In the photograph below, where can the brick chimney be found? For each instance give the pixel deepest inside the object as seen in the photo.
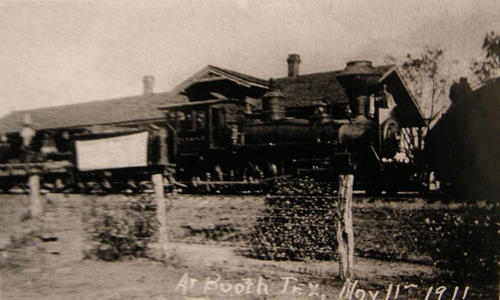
(293, 61)
(149, 83)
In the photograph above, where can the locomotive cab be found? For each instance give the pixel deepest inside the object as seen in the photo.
(200, 134)
(204, 125)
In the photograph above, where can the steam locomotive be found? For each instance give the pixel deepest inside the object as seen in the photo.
(223, 142)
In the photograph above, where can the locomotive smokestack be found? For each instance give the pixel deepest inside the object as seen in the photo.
(359, 66)
(293, 65)
(149, 83)
(359, 79)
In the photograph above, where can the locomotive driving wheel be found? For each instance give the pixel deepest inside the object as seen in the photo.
(391, 135)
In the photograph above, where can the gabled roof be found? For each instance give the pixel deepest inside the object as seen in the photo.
(213, 73)
(308, 88)
(114, 111)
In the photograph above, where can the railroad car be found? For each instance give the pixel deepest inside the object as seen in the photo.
(92, 163)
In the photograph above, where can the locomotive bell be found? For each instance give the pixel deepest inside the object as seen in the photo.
(359, 79)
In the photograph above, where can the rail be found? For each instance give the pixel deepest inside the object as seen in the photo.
(24, 169)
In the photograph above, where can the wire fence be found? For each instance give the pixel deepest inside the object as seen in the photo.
(300, 227)
(277, 227)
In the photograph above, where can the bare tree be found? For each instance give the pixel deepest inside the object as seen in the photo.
(489, 66)
(426, 79)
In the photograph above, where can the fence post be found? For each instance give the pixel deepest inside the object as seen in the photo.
(345, 233)
(36, 201)
(160, 211)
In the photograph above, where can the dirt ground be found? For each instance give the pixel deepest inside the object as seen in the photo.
(52, 266)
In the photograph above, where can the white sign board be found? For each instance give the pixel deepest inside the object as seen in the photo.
(113, 152)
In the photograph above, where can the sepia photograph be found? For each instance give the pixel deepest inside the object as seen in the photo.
(250, 149)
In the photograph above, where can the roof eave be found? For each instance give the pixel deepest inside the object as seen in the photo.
(422, 121)
(197, 103)
(209, 68)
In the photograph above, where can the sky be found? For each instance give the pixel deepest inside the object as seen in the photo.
(56, 52)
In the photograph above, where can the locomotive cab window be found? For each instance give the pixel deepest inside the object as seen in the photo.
(187, 124)
(171, 117)
(200, 120)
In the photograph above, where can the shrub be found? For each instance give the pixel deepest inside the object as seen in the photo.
(464, 243)
(302, 187)
(294, 225)
(123, 231)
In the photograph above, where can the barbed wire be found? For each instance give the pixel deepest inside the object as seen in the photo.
(250, 246)
(258, 209)
(388, 232)
(297, 224)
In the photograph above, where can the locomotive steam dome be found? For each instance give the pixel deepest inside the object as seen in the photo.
(359, 79)
(271, 103)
